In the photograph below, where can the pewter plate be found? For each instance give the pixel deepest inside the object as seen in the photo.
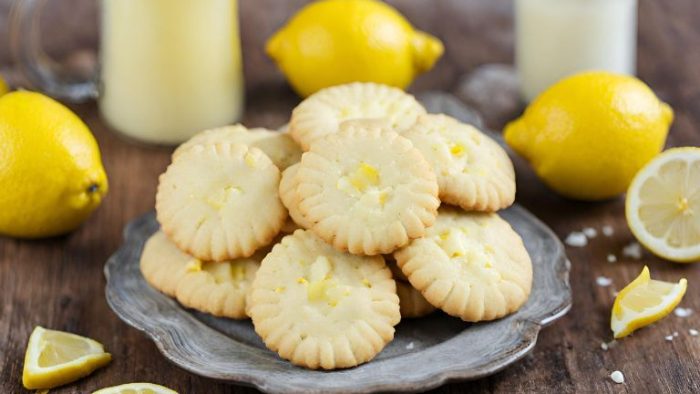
(424, 354)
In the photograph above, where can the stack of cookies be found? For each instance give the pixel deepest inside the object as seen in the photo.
(328, 234)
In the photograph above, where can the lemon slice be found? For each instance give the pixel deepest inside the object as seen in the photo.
(136, 388)
(55, 358)
(643, 302)
(663, 205)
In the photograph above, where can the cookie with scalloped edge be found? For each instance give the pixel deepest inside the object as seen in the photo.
(217, 288)
(321, 308)
(413, 304)
(278, 146)
(290, 198)
(473, 171)
(366, 190)
(158, 257)
(322, 113)
(209, 201)
(471, 265)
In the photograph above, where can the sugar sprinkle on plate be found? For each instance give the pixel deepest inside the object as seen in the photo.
(608, 345)
(617, 377)
(603, 281)
(577, 239)
(682, 312)
(608, 230)
(410, 346)
(612, 258)
(633, 250)
(590, 232)
(668, 338)
(693, 332)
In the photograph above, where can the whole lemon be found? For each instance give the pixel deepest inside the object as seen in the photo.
(332, 42)
(588, 134)
(51, 174)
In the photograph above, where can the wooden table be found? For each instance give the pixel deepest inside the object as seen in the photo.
(58, 283)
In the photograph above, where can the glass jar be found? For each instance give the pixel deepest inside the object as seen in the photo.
(557, 38)
(168, 68)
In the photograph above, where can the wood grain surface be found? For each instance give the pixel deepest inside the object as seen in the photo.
(58, 283)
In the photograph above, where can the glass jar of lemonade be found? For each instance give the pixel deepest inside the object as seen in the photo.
(557, 38)
(168, 68)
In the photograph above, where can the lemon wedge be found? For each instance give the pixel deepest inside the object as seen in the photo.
(663, 205)
(55, 358)
(136, 388)
(643, 302)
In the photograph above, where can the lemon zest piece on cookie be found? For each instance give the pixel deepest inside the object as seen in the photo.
(194, 266)
(363, 177)
(457, 149)
(319, 290)
(219, 199)
(383, 197)
(250, 160)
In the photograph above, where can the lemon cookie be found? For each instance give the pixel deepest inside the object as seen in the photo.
(290, 198)
(411, 301)
(278, 146)
(218, 288)
(323, 112)
(158, 258)
(473, 171)
(366, 190)
(321, 308)
(470, 265)
(219, 201)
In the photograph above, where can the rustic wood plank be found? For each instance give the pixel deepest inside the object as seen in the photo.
(58, 283)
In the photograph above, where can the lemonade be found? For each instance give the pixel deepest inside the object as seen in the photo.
(557, 38)
(170, 68)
